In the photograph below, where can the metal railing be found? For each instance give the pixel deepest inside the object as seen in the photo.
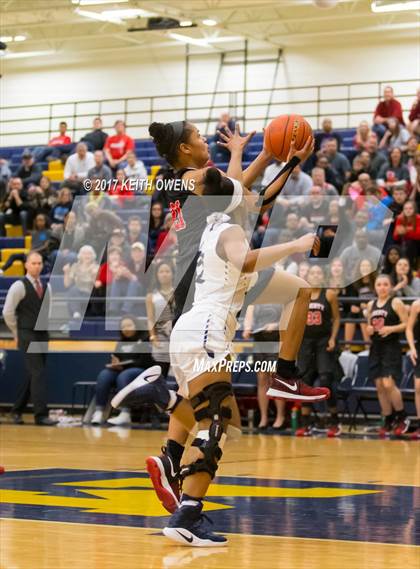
(345, 103)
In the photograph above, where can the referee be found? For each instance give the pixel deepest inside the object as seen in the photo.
(21, 310)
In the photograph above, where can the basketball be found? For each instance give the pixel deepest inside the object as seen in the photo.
(282, 130)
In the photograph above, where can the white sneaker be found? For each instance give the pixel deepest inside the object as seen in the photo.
(124, 418)
(97, 418)
(147, 376)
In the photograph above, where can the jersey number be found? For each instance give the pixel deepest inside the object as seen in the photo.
(314, 318)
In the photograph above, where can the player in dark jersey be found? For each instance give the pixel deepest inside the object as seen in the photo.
(387, 318)
(317, 352)
(187, 152)
(413, 338)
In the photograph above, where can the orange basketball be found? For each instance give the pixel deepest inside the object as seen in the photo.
(282, 130)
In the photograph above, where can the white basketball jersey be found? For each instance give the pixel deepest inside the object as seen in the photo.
(219, 284)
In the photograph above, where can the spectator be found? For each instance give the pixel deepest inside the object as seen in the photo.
(135, 233)
(136, 170)
(5, 175)
(271, 172)
(70, 236)
(338, 162)
(318, 179)
(166, 242)
(97, 196)
(394, 173)
(99, 226)
(155, 226)
(395, 137)
(262, 322)
(359, 249)
(100, 170)
(136, 264)
(316, 211)
(330, 174)
(404, 282)
(48, 190)
(326, 134)
(118, 240)
(410, 152)
(414, 171)
(27, 304)
(14, 207)
(36, 202)
(127, 362)
(392, 254)
(292, 226)
(125, 288)
(299, 184)
(160, 308)
(79, 279)
(361, 138)
(357, 190)
(363, 287)
(357, 168)
(29, 172)
(387, 108)
(220, 153)
(77, 167)
(407, 231)
(95, 140)
(377, 159)
(62, 207)
(414, 116)
(57, 146)
(117, 146)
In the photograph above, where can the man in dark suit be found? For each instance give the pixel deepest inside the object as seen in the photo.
(21, 312)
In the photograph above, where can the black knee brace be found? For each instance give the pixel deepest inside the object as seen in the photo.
(214, 394)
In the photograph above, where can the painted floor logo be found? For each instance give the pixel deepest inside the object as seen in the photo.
(239, 505)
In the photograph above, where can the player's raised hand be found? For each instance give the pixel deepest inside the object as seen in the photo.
(234, 141)
(305, 152)
(307, 243)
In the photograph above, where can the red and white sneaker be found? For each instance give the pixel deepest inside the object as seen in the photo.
(334, 431)
(295, 389)
(304, 432)
(415, 436)
(384, 431)
(401, 427)
(165, 480)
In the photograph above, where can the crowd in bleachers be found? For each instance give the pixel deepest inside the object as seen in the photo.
(337, 185)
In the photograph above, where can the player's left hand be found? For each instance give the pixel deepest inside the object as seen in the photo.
(331, 345)
(234, 141)
(304, 153)
(385, 331)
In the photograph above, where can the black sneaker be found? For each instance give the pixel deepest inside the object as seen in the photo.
(164, 475)
(188, 526)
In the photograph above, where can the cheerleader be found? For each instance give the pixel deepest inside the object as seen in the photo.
(316, 356)
(387, 318)
(413, 338)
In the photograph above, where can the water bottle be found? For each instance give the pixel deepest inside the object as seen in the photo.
(295, 418)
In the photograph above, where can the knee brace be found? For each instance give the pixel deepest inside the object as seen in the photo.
(210, 441)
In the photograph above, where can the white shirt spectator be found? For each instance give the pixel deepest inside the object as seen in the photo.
(78, 167)
(138, 171)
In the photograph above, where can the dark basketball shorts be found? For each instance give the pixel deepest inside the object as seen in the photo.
(314, 360)
(385, 360)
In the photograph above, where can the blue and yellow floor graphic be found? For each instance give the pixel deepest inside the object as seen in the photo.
(241, 505)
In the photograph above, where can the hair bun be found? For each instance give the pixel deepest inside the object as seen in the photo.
(213, 179)
(157, 131)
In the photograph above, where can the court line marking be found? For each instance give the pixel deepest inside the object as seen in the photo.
(159, 530)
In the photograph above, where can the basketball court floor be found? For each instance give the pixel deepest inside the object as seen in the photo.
(79, 498)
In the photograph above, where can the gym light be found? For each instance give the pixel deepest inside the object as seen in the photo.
(209, 22)
(185, 23)
(381, 7)
(19, 38)
(187, 39)
(6, 39)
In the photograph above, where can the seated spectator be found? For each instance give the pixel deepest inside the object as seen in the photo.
(325, 134)
(79, 279)
(318, 179)
(13, 208)
(359, 249)
(95, 140)
(29, 172)
(385, 109)
(414, 116)
(410, 152)
(394, 172)
(155, 226)
(357, 190)
(299, 184)
(5, 175)
(395, 137)
(127, 362)
(337, 215)
(292, 226)
(315, 212)
(356, 169)
(271, 172)
(124, 286)
(303, 270)
(338, 162)
(136, 264)
(117, 146)
(135, 170)
(220, 153)
(100, 170)
(407, 231)
(135, 231)
(414, 171)
(330, 174)
(37, 202)
(361, 138)
(377, 158)
(363, 287)
(99, 226)
(48, 190)
(392, 254)
(57, 147)
(77, 167)
(160, 308)
(402, 279)
(118, 240)
(167, 241)
(62, 207)
(70, 235)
